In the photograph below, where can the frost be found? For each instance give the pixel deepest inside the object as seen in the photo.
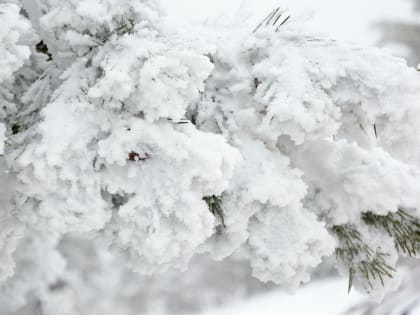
(121, 132)
(323, 107)
(151, 77)
(12, 51)
(350, 180)
(286, 243)
(2, 138)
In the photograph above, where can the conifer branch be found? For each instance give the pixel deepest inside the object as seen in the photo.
(371, 264)
(42, 48)
(401, 226)
(361, 259)
(215, 206)
(274, 19)
(122, 27)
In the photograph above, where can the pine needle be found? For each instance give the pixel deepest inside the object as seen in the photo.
(215, 206)
(273, 19)
(362, 260)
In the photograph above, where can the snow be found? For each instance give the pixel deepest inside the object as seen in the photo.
(2, 137)
(326, 297)
(351, 21)
(13, 53)
(130, 127)
(318, 113)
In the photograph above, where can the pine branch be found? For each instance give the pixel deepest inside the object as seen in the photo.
(362, 260)
(15, 128)
(371, 264)
(122, 27)
(274, 19)
(42, 48)
(215, 206)
(401, 226)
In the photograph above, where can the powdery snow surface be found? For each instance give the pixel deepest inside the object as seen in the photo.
(323, 297)
(157, 148)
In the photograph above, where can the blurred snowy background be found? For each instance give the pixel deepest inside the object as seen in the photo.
(226, 288)
(390, 24)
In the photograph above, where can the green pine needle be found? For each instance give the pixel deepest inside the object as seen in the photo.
(401, 226)
(274, 19)
(122, 26)
(215, 206)
(362, 260)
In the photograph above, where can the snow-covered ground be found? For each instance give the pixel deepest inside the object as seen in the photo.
(326, 297)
